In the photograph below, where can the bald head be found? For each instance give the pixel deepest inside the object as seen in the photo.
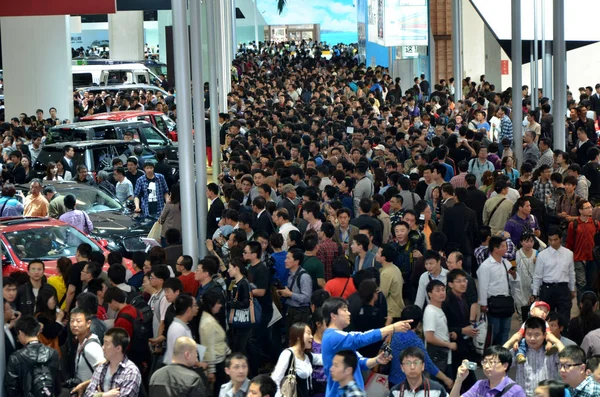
(184, 351)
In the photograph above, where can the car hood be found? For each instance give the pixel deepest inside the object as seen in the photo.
(115, 225)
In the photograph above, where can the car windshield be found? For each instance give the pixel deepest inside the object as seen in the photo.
(47, 243)
(94, 200)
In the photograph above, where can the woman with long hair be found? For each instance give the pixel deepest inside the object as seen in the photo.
(170, 218)
(319, 378)
(61, 172)
(60, 280)
(214, 337)
(52, 172)
(301, 340)
(563, 162)
(239, 299)
(509, 170)
(53, 331)
(436, 203)
(29, 171)
(295, 240)
(487, 183)
(587, 320)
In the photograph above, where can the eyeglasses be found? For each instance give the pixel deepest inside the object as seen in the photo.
(150, 277)
(491, 363)
(412, 364)
(567, 366)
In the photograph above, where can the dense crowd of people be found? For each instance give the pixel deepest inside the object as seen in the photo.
(363, 240)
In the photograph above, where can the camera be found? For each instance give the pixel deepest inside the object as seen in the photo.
(278, 284)
(386, 349)
(471, 366)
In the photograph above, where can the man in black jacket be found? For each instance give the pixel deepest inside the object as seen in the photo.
(27, 293)
(33, 367)
(475, 197)
(263, 218)
(364, 208)
(215, 211)
(460, 225)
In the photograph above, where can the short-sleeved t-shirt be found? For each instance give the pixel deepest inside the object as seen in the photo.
(75, 279)
(315, 268)
(435, 320)
(259, 276)
(94, 354)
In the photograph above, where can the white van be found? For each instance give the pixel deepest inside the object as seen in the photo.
(125, 73)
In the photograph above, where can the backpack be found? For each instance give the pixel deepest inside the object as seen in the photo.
(142, 328)
(42, 384)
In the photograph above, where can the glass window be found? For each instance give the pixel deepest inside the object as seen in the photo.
(93, 200)
(153, 137)
(103, 156)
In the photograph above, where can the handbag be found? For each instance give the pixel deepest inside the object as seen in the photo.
(244, 318)
(288, 383)
(377, 385)
(156, 231)
(484, 338)
(501, 305)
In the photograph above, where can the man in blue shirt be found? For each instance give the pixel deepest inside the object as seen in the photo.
(337, 318)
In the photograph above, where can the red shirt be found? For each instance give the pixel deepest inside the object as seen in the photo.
(126, 324)
(582, 244)
(190, 285)
(335, 287)
(101, 314)
(327, 252)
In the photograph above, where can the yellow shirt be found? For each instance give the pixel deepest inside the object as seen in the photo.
(36, 206)
(61, 289)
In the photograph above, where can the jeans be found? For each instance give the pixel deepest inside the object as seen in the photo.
(591, 273)
(500, 329)
(580, 279)
(260, 347)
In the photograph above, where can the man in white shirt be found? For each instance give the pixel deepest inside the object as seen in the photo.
(435, 271)
(495, 276)
(435, 326)
(554, 277)
(89, 350)
(281, 219)
(124, 188)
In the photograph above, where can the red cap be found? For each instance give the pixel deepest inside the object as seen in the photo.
(540, 304)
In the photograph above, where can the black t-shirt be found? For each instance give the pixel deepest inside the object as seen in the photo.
(259, 276)
(133, 177)
(75, 279)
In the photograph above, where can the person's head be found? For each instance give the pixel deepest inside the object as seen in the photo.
(523, 206)
(455, 260)
(252, 251)
(116, 341)
(496, 362)
(436, 291)
(185, 307)
(207, 268)
(556, 322)
(572, 365)
(184, 263)
(401, 230)
(412, 360)
(88, 301)
(593, 367)
(35, 269)
(46, 301)
(335, 311)
(457, 281)
(294, 259)
(497, 246)
(554, 237)
(236, 367)
(173, 287)
(317, 298)
(387, 253)
(27, 328)
(300, 334)
(550, 388)
(535, 332)
(360, 244)
(9, 289)
(344, 364)
(185, 351)
(84, 250)
(115, 298)
(539, 309)
(149, 169)
(432, 262)
(158, 275)
(80, 322)
(262, 386)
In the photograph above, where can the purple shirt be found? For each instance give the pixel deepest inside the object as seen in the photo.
(516, 226)
(482, 389)
(78, 219)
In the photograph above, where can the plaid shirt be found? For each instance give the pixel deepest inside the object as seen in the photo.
(482, 252)
(351, 390)
(127, 379)
(544, 191)
(459, 180)
(506, 129)
(327, 252)
(141, 192)
(588, 388)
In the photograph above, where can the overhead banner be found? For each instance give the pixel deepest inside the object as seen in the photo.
(29, 8)
(394, 23)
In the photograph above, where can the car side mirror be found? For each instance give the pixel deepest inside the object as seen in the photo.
(6, 260)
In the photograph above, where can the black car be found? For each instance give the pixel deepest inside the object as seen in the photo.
(143, 133)
(112, 221)
(95, 155)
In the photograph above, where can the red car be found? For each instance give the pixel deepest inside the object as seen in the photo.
(158, 119)
(27, 238)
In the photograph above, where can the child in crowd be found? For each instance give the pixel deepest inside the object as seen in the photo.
(538, 309)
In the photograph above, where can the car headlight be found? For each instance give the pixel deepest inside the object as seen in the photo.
(112, 245)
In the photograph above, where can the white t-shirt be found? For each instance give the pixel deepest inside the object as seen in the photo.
(435, 320)
(158, 303)
(94, 354)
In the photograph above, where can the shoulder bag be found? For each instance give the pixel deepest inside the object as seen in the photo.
(244, 318)
(288, 383)
(494, 211)
(501, 305)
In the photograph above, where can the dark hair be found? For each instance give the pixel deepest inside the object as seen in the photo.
(255, 248)
(574, 353)
(535, 323)
(495, 242)
(89, 302)
(592, 362)
(41, 306)
(503, 354)
(331, 306)
(210, 299)
(363, 241)
(367, 290)
(453, 274)
(296, 333)
(588, 320)
(84, 249)
(187, 262)
(412, 351)
(161, 272)
(266, 385)
(209, 265)
(432, 284)
(182, 303)
(70, 201)
(173, 284)
(349, 358)
(558, 317)
(318, 297)
(117, 273)
(234, 356)
(78, 310)
(341, 267)
(28, 325)
(119, 338)
(412, 312)
(114, 294)
(555, 387)
(389, 252)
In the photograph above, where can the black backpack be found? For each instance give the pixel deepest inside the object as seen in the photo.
(142, 328)
(42, 384)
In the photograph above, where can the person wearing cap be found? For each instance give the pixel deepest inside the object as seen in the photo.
(56, 201)
(151, 192)
(288, 200)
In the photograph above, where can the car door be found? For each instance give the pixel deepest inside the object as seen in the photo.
(152, 137)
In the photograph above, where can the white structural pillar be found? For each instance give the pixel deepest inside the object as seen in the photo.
(39, 78)
(560, 74)
(181, 51)
(517, 80)
(199, 121)
(213, 51)
(126, 35)
(233, 29)
(165, 18)
(457, 60)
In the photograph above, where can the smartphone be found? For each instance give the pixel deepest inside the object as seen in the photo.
(350, 130)
(421, 217)
(387, 349)
(471, 366)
